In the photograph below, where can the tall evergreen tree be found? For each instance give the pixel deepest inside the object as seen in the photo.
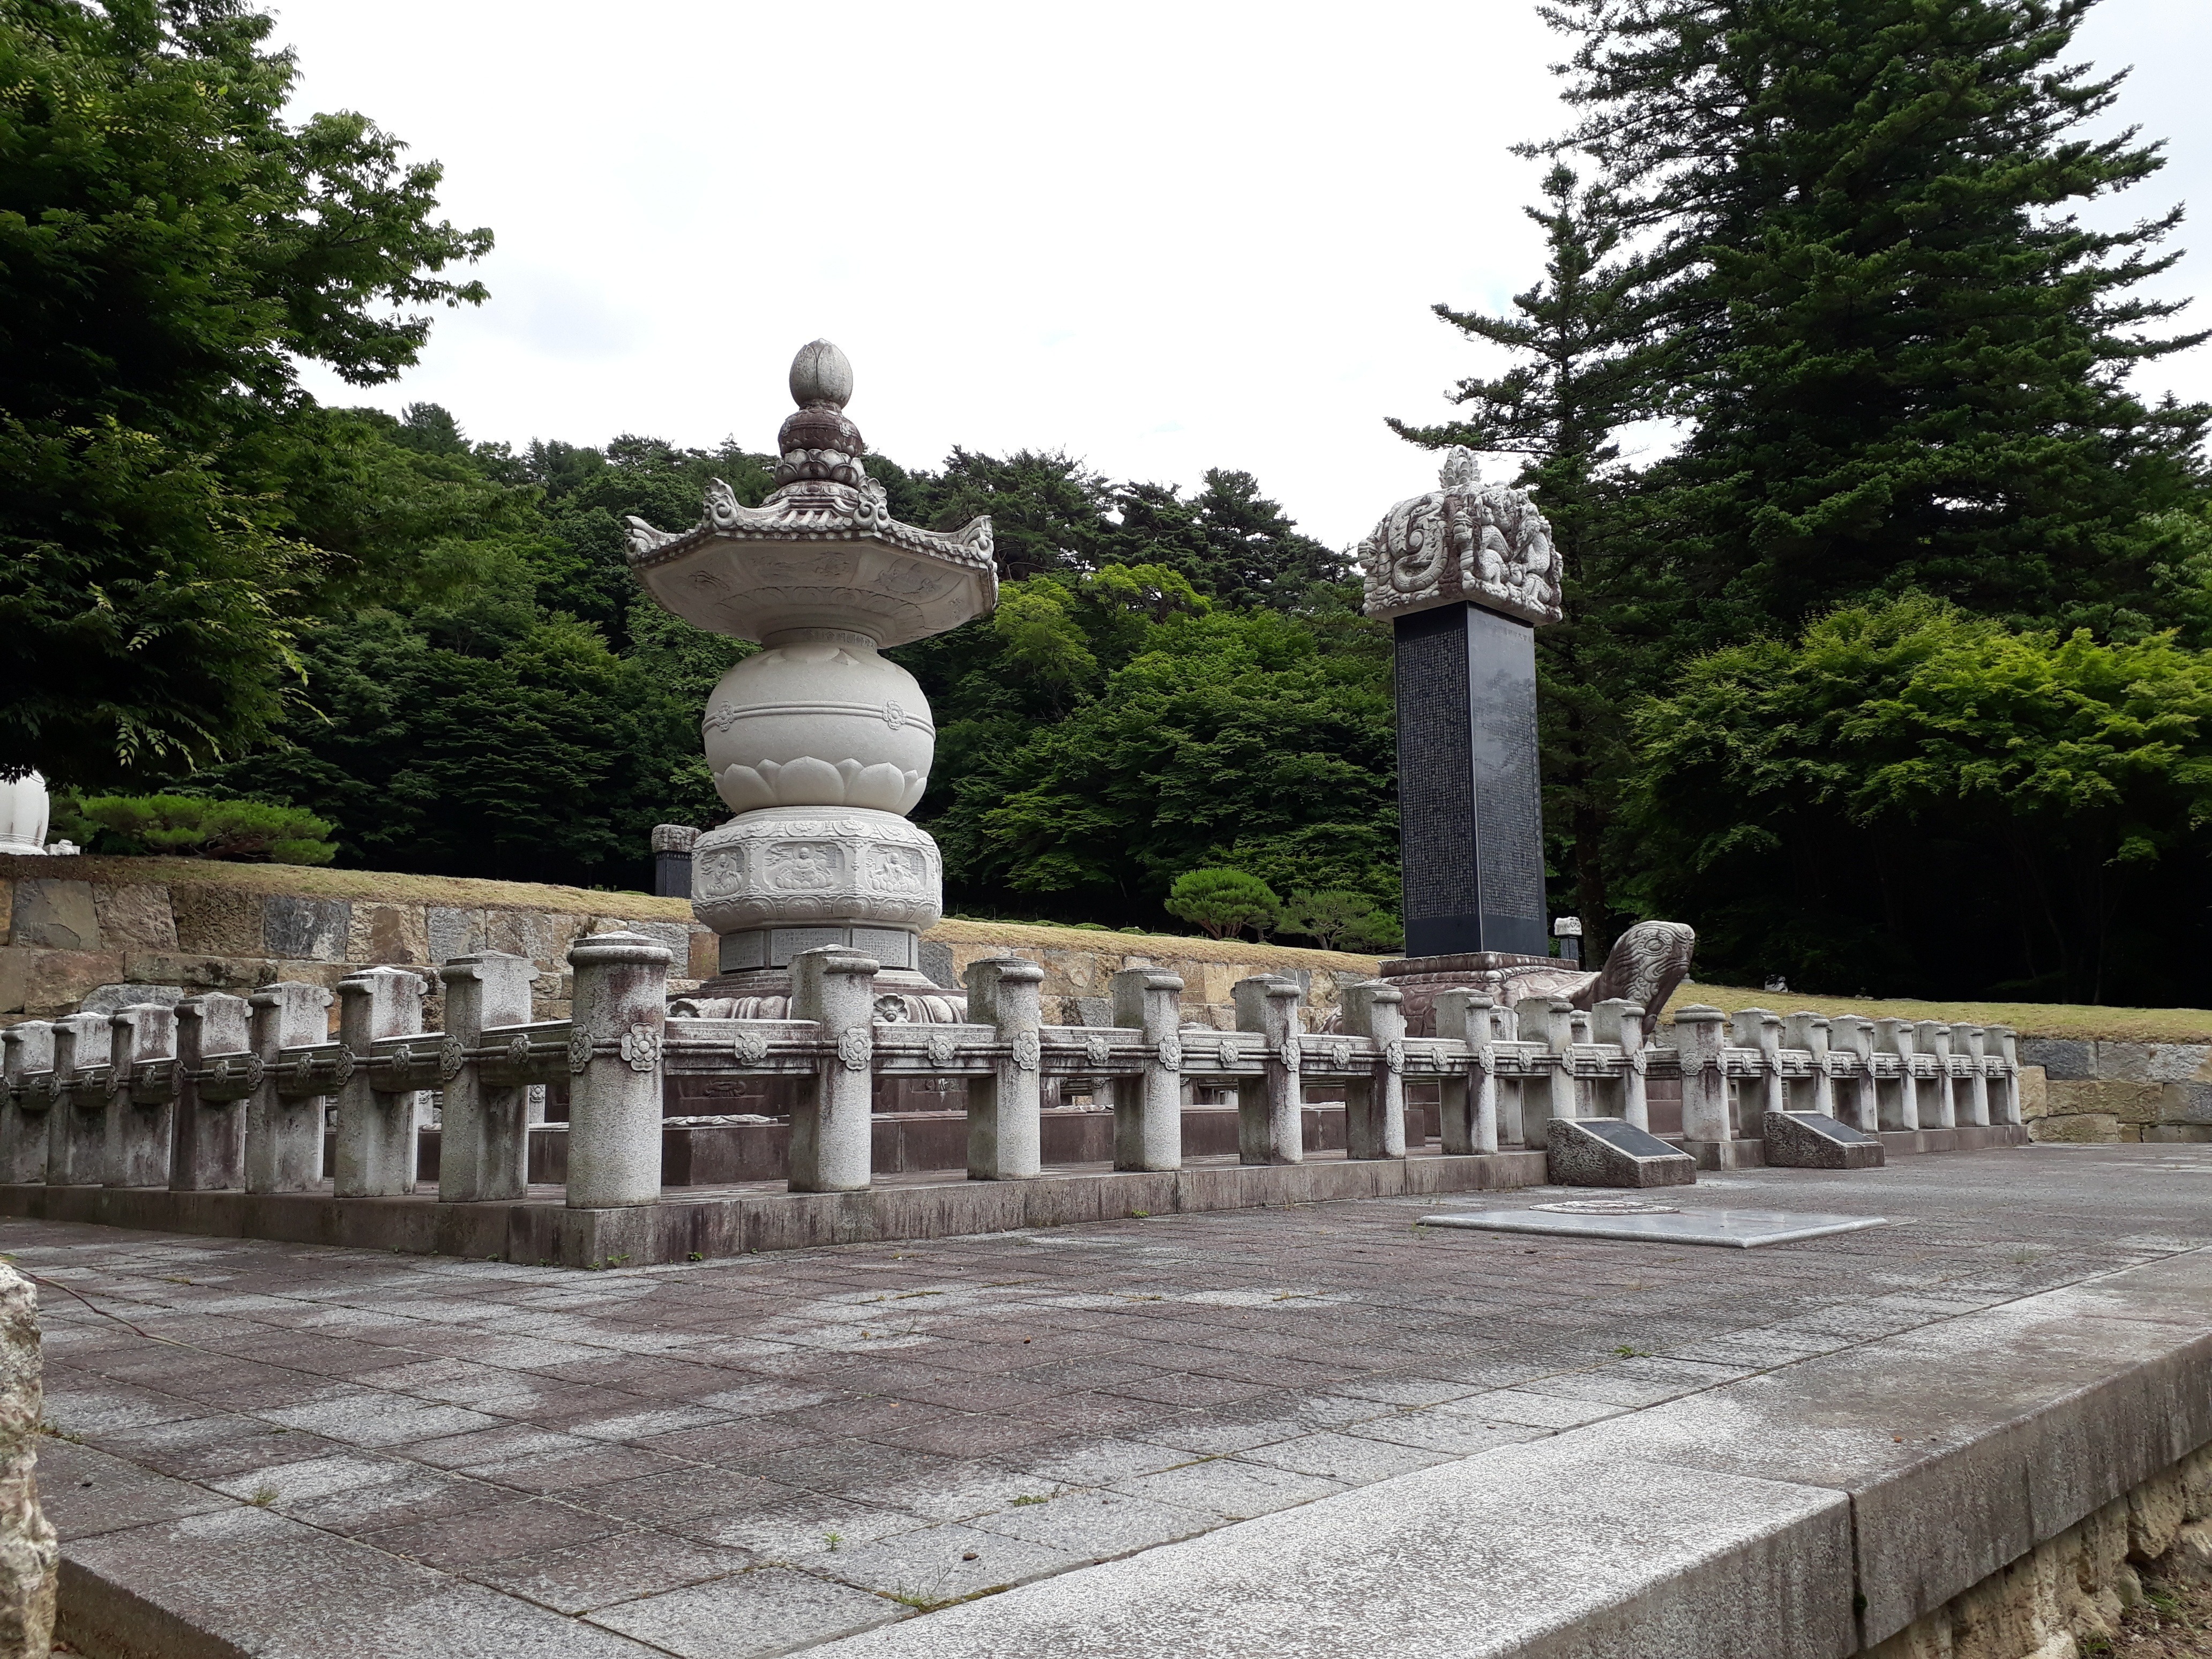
(1588, 362)
(1905, 356)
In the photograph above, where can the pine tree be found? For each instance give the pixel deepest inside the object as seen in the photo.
(1590, 361)
(1905, 356)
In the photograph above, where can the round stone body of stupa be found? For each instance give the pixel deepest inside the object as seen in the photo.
(818, 718)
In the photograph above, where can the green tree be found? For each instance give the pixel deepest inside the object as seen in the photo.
(170, 248)
(1334, 915)
(1914, 801)
(1905, 356)
(1588, 360)
(1224, 902)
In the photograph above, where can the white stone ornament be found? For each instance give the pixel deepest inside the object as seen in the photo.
(793, 866)
(1340, 1054)
(1292, 1057)
(24, 811)
(1394, 1055)
(854, 1047)
(751, 1048)
(641, 1047)
(451, 1058)
(1225, 1052)
(1027, 1052)
(942, 1050)
(1169, 1053)
(1096, 1051)
(579, 1049)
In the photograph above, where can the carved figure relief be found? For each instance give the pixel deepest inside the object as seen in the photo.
(895, 869)
(802, 867)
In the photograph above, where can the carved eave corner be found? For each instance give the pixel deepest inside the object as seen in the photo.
(1485, 545)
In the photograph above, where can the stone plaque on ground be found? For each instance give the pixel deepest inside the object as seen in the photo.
(1734, 1229)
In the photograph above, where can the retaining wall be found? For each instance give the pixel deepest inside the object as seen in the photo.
(2110, 1091)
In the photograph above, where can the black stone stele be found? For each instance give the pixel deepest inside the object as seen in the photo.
(1471, 817)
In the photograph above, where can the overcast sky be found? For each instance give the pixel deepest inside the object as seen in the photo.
(1162, 236)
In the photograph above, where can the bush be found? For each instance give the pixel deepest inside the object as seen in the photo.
(1327, 916)
(187, 826)
(1224, 902)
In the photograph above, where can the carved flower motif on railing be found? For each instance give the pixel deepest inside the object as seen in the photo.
(450, 1059)
(1169, 1053)
(403, 1059)
(579, 1049)
(1029, 1053)
(855, 1049)
(641, 1047)
(1096, 1051)
(751, 1048)
(342, 1065)
(517, 1050)
(1340, 1056)
(1292, 1055)
(1224, 1053)
(1394, 1055)
(942, 1050)
(256, 1068)
(303, 1072)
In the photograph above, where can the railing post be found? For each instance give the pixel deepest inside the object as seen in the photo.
(374, 1154)
(1468, 1122)
(1811, 1032)
(1271, 1108)
(2006, 1107)
(284, 1138)
(1548, 1021)
(1148, 1109)
(1006, 1136)
(1932, 1037)
(1760, 1028)
(619, 1016)
(77, 1144)
(28, 1047)
(1898, 1101)
(483, 1135)
(832, 1149)
(1852, 1037)
(210, 1153)
(141, 1122)
(1374, 1105)
(1976, 1111)
(1699, 1035)
(1617, 1020)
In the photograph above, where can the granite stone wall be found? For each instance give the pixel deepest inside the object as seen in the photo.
(69, 926)
(2104, 1091)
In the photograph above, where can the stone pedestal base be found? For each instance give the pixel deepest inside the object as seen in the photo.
(765, 993)
(1505, 976)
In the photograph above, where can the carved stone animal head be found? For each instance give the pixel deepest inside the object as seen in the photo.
(1645, 965)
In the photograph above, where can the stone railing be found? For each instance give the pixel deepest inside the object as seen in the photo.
(224, 1092)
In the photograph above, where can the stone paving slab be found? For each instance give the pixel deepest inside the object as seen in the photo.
(734, 1458)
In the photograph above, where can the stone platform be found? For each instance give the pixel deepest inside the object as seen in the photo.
(1309, 1430)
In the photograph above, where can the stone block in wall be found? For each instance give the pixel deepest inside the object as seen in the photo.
(454, 932)
(45, 983)
(237, 975)
(387, 934)
(543, 936)
(7, 911)
(112, 999)
(2192, 1134)
(2083, 1128)
(306, 929)
(706, 951)
(2059, 1057)
(216, 921)
(2184, 1103)
(134, 916)
(1086, 1011)
(937, 967)
(55, 915)
(2034, 1093)
(2153, 1063)
(2129, 1102)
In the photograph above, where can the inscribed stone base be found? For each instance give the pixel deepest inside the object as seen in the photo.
(1813, 1140)
(1605, 1152)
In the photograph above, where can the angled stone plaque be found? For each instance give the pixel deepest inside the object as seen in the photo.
(1604, 1151)
(1813, 1140)
(1740, 1230)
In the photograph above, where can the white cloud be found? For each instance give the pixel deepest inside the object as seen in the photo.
(1167, 235)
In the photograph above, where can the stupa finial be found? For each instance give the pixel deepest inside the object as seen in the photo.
(821, 376)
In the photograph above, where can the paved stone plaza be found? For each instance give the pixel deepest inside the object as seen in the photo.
(743, 1458)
